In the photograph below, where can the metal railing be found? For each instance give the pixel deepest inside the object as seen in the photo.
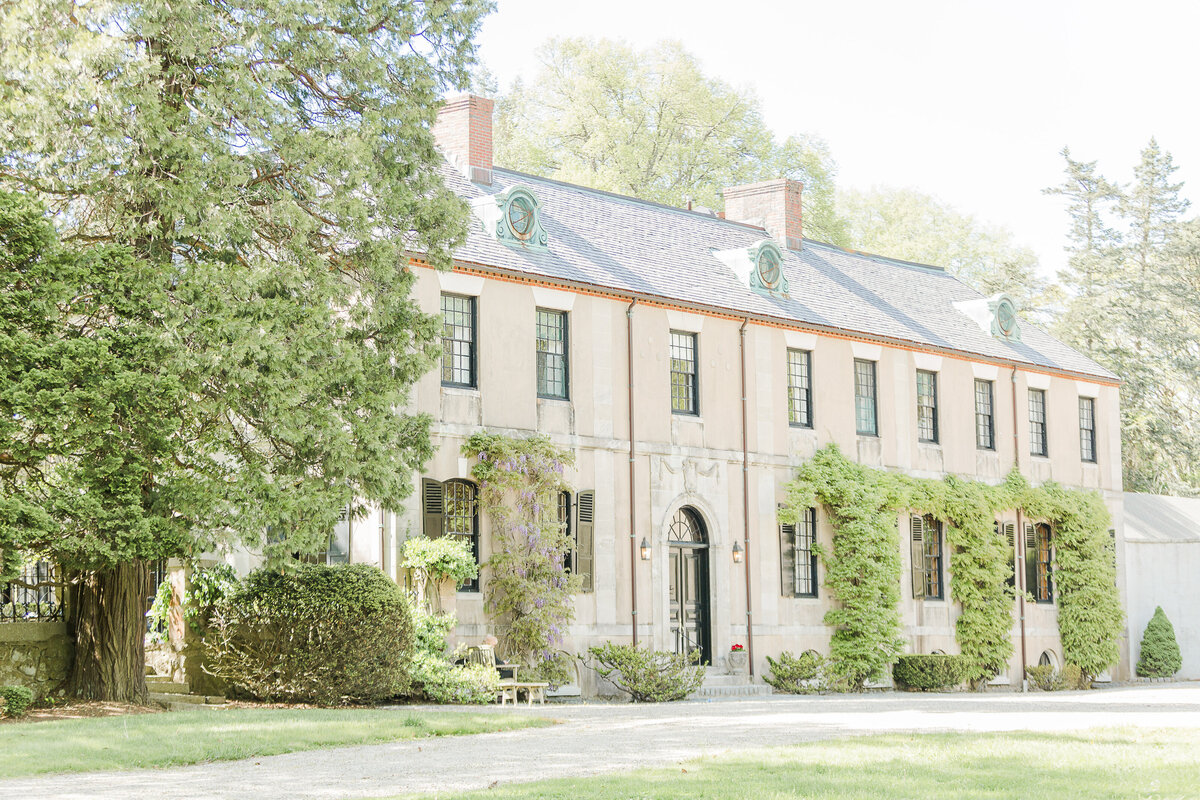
(32, 596)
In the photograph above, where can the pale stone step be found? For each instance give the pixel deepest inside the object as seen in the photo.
(743, 690)
(173, 697)
(166, 686)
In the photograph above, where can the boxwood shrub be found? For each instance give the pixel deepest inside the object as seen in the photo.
(15, 700)
(933, 671)
(318, 634)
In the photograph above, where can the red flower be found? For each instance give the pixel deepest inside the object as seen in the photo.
(737, 648)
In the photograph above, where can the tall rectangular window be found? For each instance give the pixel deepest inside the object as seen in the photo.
(864, 398)
(927, 420)
(1087, 429)
(1041, 556)
(800, 388)
(685, 381)
(927, 558)
(1037, 422)
(985, 420)
(458, 341)
(798, 558)
(552, 354)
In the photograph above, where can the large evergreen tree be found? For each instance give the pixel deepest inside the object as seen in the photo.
(257, 173)
(651, 124)
(1132, 280)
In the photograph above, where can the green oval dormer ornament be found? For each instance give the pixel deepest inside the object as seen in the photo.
(520, 218)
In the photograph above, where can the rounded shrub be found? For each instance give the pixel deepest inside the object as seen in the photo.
(650, 676)
(15, 700)
(319, 634)
(932, 671)
(1160, 657)
(796, 674)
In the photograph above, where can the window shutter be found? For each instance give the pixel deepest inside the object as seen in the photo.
(585, 539)
(917, 526)
(1030, 560)
(787, 560)
(433, 506)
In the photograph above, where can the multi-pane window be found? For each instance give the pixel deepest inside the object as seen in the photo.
(864, 398)
(452, 509)
(927, 421)
(1037, 422)
(1043, 588)
(798, 558)
(563, 519)
(800, 388)
(458, 340)
(985, 416)
(685, 384)
(552, 354)
(927, 557)
(1087, 429)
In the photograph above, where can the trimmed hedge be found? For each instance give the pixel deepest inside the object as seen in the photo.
(934, 671)
(320, 634)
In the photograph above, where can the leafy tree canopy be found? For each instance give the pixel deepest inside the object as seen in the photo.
(910, 225)
(233, 356)
(650, 123)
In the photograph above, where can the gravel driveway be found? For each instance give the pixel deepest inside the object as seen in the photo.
(595, 738)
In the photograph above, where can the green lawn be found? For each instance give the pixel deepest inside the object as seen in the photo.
(191, 737)
(1093, 765)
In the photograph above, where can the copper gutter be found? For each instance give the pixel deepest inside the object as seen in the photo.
(633, 547)
(746, 502)
(1019, 538)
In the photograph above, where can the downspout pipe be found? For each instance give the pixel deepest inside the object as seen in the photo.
(1019, 538)
(746, 501)
(633, 546)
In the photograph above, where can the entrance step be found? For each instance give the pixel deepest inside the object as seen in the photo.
(722, 684)
(166, 686)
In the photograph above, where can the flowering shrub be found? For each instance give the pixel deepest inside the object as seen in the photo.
(434, 677)
(529, 589)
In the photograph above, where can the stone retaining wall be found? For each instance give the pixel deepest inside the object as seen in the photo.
(35, 654)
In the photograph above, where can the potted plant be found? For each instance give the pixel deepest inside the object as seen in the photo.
(736, 660)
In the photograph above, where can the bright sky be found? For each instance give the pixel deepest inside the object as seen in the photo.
(968, 100)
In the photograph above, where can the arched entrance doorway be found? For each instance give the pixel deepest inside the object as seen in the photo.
(689, 584)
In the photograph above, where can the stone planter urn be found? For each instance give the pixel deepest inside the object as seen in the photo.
(736, 662)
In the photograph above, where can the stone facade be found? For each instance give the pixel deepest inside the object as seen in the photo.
(35, 654)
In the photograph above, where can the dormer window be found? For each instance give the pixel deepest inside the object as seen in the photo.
(768, 266)
(995, 315)
(1005, 323)
(759, 267)
(512, 216)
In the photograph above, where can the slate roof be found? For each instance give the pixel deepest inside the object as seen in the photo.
(1159, 518)
(633, 246)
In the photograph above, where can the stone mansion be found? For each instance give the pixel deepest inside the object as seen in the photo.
(691, 361)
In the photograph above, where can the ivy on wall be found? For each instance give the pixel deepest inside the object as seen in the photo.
(863, 568)
(529, 589)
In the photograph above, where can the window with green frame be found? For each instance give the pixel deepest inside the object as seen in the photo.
(552, 354)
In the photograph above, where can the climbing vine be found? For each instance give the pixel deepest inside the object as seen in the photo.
(529, 589)
(863, 568)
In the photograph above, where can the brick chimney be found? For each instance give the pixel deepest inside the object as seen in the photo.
(774, 205)
(464, 133)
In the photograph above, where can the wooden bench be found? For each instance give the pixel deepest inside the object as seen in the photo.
(532, 689)
(509, 685)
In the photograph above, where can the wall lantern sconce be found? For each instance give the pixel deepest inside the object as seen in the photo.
(645, 548)
(737, 553)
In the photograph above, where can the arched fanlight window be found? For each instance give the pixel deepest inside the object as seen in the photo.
(686, 527)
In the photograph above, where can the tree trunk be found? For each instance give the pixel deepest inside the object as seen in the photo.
(108, 618)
